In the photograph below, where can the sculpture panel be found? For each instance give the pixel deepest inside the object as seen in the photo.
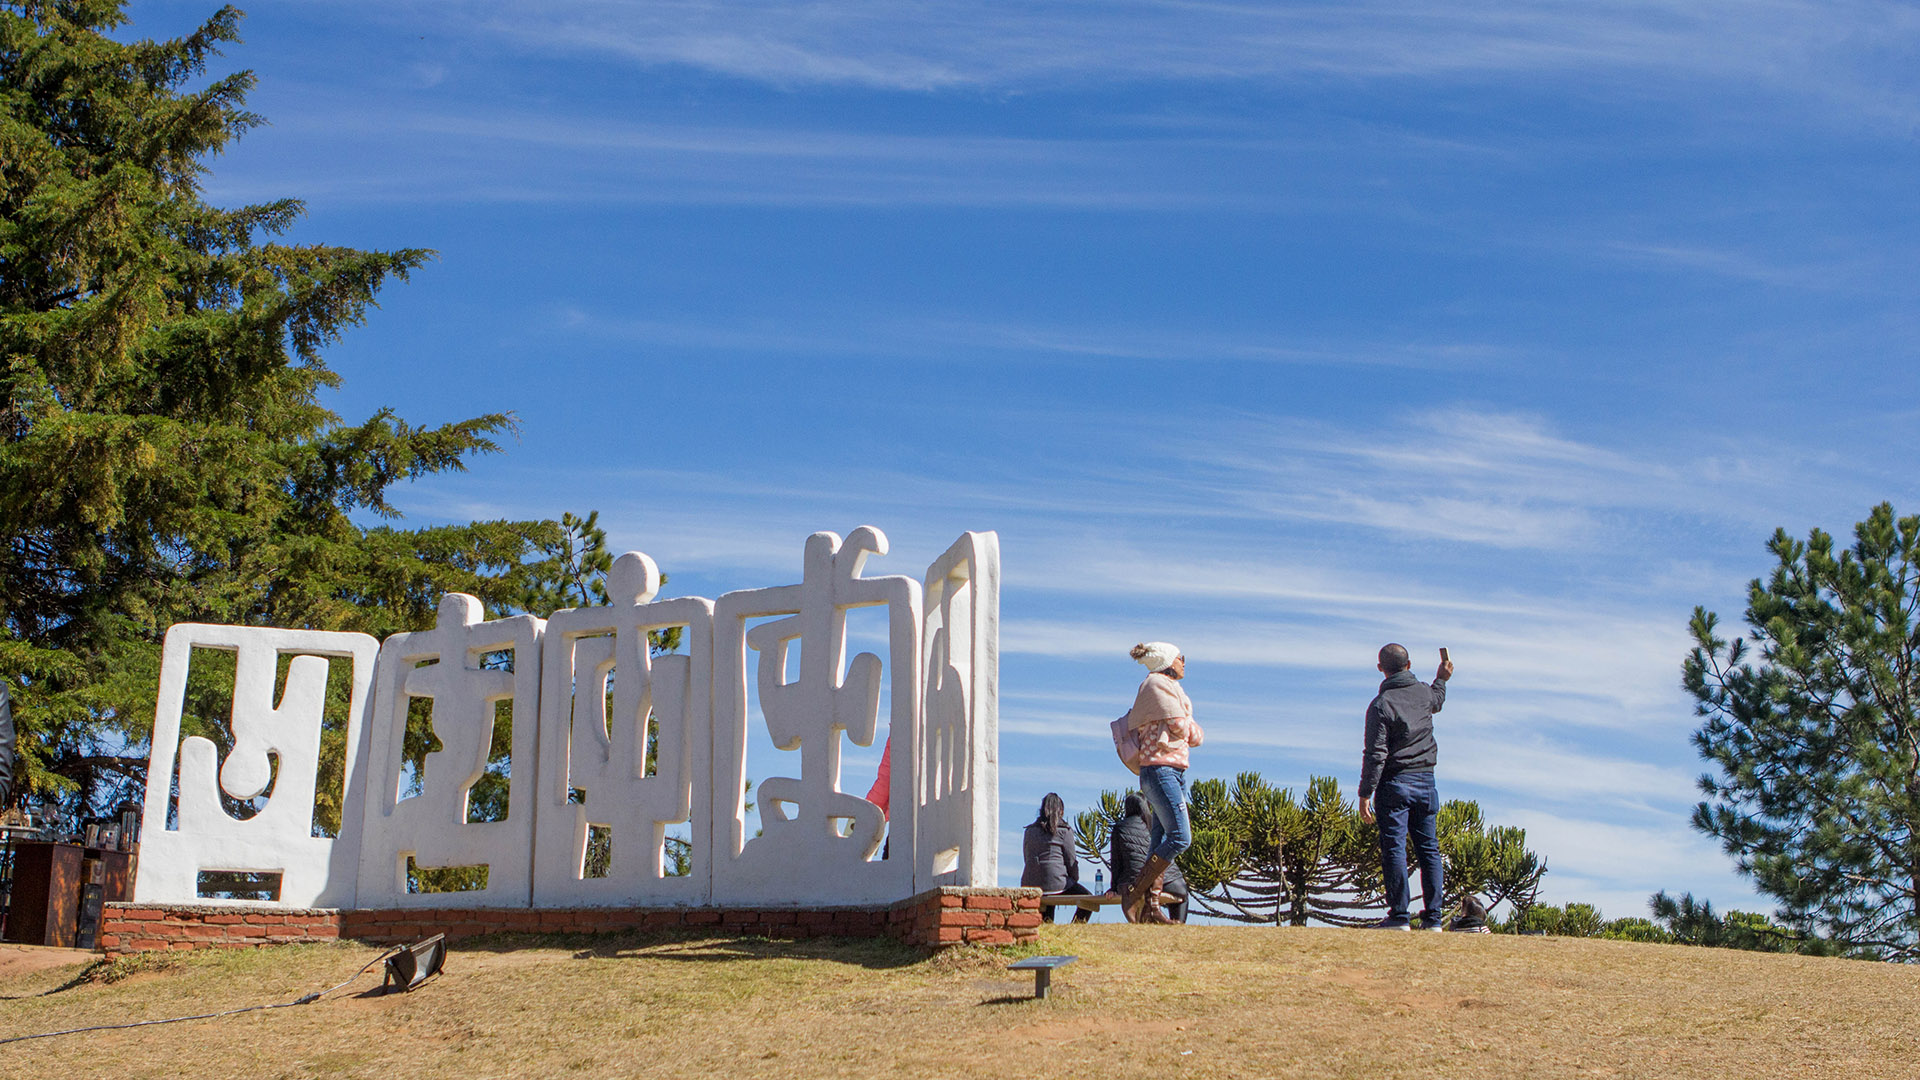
(272, 742)
(959, 791)
(817, 842)
(463, 666)
(604, 697)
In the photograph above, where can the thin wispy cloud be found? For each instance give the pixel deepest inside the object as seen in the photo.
(1539, 771)
(951, 339)
(484, 146)
(1466, 478)
(483, 157)
(1494, 479)
(1844, 55)
(1617, 864)
(1741, 266)
(1596, 672)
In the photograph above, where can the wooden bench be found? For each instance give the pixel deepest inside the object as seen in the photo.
(1095, 902)
(1042, 968)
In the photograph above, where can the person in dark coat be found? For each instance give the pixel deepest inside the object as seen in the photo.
(1131, 845)
(1472, 918)
(1051, 864)
(1396, 784)
(7, 743)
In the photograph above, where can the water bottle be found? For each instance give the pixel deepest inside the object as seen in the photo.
(1099, 882)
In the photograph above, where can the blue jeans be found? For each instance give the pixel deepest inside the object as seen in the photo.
(1165, 788)
(1409, 802)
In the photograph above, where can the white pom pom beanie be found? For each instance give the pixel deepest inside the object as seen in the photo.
(1159, 656)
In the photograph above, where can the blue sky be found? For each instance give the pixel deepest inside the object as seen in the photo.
(1277, 331)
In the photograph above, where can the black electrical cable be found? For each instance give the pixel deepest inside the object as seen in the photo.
(307, 1000)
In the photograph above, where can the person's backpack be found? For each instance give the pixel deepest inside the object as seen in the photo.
(1126, 743)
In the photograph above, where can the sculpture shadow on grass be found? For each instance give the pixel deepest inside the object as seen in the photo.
(685, 946)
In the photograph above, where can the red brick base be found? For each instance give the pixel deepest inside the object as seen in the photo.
(936, 918)
(131, 928)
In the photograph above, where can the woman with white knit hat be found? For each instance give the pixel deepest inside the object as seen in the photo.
(1163, 726)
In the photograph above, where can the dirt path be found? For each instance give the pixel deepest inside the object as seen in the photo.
(18, 960)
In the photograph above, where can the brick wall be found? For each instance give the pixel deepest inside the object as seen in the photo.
(130, 928)
(936, 918)
(952, 916)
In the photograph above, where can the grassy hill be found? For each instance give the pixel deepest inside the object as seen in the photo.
(1141, 1002)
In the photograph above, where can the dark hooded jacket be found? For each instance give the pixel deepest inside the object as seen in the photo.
(1050, 862)
(1400, 730)
(1132, 844)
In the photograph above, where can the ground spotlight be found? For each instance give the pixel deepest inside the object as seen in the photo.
(411, 965)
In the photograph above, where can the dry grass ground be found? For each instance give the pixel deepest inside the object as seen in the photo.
(1141, 1002)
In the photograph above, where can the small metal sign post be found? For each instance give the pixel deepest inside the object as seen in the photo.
(1042, 968)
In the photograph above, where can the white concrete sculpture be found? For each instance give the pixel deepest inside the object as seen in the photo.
(598, 747)
(959, 787)
(586, 693)
(817, 842)
(448, 666)
(272, 743)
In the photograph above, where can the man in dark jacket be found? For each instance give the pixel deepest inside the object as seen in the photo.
(7, 738)
(1398, 768)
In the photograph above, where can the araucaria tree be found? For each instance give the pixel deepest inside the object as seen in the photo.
(164, 452)
(1813, 724)
(1261, 855)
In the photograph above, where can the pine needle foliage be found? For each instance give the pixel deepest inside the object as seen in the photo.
(1693, 922)
(1676, 921)
(1812, 722)
(165, 455)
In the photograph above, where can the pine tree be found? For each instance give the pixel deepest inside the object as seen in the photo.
(1690, 922)
(164, 452)
(1813, 724)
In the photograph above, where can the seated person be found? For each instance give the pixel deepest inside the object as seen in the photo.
(1132, 843)
(1472, 918)
(1051, 863)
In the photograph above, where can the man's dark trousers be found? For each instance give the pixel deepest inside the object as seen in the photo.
(1409, 802)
